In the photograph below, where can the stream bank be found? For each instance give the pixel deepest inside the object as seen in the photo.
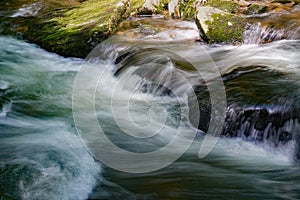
(74, 28)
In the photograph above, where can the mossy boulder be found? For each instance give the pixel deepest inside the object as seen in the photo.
(217, 26)
(71, 30)
(187, 9)
(225, 5)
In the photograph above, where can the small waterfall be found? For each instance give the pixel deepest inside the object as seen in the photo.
(264, 124)
(163, 73)
(28, 10)
(257, 34)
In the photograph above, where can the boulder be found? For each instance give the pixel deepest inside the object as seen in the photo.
(218, 26)
(70, 30)
(225, 5)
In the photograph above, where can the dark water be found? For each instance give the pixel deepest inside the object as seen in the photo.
(147, 79)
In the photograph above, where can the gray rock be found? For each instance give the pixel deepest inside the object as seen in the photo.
(205, 14)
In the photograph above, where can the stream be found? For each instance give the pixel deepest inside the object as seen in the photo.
(148, 94)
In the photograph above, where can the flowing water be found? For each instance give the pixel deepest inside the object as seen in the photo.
(147, 86)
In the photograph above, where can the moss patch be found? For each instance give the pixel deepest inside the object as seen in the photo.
(225, 28)
(136, 4)
(227, 6)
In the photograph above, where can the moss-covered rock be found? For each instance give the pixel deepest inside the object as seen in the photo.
(72, 30)
(205, 14)
(217, 26)
(225, 5)
(225, 28)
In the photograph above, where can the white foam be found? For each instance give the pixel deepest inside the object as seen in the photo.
(66, 169)
(28, 10)
(6, 108)
(256, 155)
(173, 35)
(35, 56)
(3, 85)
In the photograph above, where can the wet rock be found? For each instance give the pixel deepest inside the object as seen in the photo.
(151, 7)
(243, 3)
(145, 12)
(255, 9)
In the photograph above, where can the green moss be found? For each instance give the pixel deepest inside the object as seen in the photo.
(89, 14)
(227, 6)
(225, 28)
(72, 30)
(255, 9)
(136, 4)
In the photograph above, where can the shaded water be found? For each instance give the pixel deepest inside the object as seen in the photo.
(42, 156)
